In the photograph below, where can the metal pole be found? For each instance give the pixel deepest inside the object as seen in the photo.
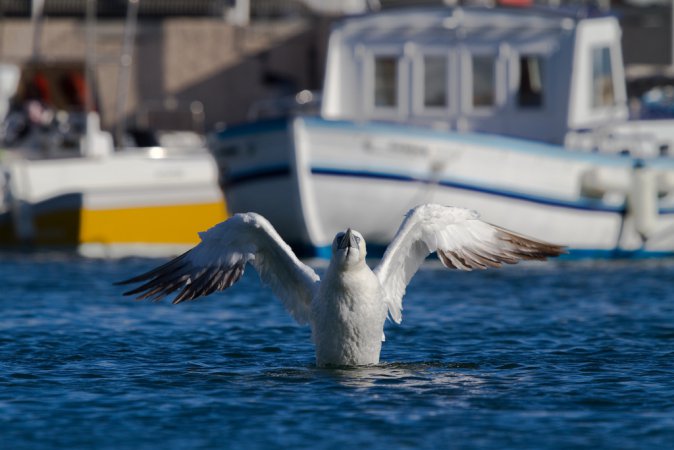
(37, 8)
(124, 72)
(90, 58)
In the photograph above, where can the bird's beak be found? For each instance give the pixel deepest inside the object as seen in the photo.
(348, 241)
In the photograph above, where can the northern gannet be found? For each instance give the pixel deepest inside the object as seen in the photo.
(348, 307)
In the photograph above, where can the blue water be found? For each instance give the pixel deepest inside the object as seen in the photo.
(551, 356)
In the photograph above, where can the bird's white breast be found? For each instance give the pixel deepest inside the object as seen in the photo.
(348, 315)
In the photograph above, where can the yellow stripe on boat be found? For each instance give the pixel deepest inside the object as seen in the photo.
(167, 224)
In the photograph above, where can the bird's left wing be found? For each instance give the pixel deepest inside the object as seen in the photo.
(462, 242)
(218, 262)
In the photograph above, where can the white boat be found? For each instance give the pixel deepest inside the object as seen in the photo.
(135, 201)
(520, 114)
(64, 185)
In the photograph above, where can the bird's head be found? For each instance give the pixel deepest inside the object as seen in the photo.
(348, 248)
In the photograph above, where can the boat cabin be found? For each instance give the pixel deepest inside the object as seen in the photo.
(535, 74)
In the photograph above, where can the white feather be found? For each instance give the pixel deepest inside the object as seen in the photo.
(462, 241)
(219, 259)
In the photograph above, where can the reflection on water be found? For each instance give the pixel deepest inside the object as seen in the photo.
(417, 376)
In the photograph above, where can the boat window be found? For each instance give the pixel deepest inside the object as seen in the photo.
(484, 69)
(435, 81)
(602, 78)
(385, 81)
(530, 93)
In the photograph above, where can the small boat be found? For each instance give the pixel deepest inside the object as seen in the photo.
(135, 201)
(64, 185)
(64, 182)
(520, 114)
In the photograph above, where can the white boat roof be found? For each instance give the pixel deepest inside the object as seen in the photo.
(569, 56)
(434, 23)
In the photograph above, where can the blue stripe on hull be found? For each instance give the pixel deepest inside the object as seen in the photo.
(585, 253)
(234, 179)
(585, 205)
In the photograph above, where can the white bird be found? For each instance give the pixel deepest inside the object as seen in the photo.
(347, 309)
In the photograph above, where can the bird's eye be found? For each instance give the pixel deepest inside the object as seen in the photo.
(357, 239)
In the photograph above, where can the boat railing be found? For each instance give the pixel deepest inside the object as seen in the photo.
(628, 138)
(170, 114)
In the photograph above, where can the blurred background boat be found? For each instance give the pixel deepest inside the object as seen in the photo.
(519, 113)
(132, 201)
(66, 183)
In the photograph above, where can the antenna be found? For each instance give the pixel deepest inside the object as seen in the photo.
(124, 71)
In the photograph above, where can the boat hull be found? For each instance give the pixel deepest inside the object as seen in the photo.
(339, 174)
(128, 203)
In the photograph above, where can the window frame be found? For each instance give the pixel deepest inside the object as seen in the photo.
(468, 104)
(544, 74)
(369, 83)
(419, 85)
(492, 93)
(614, 94)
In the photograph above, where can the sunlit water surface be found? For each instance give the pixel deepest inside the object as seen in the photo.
(549, 356)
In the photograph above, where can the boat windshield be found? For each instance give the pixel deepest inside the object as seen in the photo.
(602, 78)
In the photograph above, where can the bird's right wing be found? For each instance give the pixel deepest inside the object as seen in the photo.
(462, 242)
(218, 262)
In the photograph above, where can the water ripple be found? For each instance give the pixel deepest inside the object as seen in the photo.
(531, 357)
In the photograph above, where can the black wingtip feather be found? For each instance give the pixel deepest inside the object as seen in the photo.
(151, 273)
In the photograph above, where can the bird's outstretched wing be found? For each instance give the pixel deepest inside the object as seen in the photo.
(218, 262)
(462, 242)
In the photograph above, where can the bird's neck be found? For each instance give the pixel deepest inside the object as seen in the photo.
(339, 274)
(337, 268)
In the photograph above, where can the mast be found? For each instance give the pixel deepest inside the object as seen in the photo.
(124, 72)
(36, 14)
(90, 57)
